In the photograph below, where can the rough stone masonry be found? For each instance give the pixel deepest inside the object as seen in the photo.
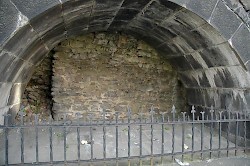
(112, 71)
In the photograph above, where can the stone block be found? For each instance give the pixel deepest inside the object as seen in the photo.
(176, 26)
(81, 30)
(75, 15)
(7, 59)
(11, 71)
(98, 26)
(126, 14)
(195, 96)
(221, 55)
(107, 5)
(80, 21)
(157, 12)
(131, 4)
(54, 36)
(118, 25)
(226, 21)
(70, 6)
(48, 20)
(189, 19)
(21, 40)
(103, 15)
(16, 93)
(202, 8)
(34, 52)
(195, 61)
(32, 8)
(195, 40)
(9, 18)
(240, 41)
(211, 34)
(5, 92)
(24, 74)
(181, 63)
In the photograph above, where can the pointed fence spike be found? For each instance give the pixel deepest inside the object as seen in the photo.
(202, 115)
(173, 109)
(183, 116)
(193, 110)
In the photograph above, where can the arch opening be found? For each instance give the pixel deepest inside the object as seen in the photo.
(209, 55)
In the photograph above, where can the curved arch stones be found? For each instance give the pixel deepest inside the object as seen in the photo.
(206, 41)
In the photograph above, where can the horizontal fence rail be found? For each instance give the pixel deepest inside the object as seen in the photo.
(143, 138)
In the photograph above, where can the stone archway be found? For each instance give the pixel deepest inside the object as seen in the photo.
(206, 41)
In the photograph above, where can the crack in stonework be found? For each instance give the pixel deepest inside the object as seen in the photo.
(237, 14)
(243, 5)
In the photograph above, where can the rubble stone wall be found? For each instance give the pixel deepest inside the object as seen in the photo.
(112, 71)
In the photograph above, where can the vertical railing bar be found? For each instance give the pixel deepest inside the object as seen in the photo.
(152, 135)
(220, 116)
(162, 137)
(6, 123)
(64, 139)
(228, 129)
(236, 133)
(22, 139)
(104, 136)
(173, 132)
(116, 138)
(193, 118)
(37, 144)
(211, 131)
(140, 140)
(183, 135)
(245, 132)
(202, 134)
(129, 146)
(91, 137)
(78, 137)
(50, 140)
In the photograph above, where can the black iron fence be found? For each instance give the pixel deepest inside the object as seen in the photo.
(144, 138)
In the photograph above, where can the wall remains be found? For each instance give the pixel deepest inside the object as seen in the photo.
(111, 72)
(37, 95)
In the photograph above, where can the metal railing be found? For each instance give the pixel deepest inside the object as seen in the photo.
(145, 137)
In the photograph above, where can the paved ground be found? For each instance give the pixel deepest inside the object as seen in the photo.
(71, 145)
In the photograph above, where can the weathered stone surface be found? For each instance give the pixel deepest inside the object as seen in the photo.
(222, 99)
(240, 42)
(135, 4)
(212, 56)
(189, 19)
(9, 22)
(37, 95)
(111, 72)
(5, 92)
(7, 59)
(11, 71)
(22, 39)
(226, 77)
(16, 93)
(158, 11)
(225, 20)
(212, 36)
(70, 6)
(25, 72)
(54, 36)
(126, 14)
(32, 8)
(108, 5)
(203, 8)
(48, 20)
